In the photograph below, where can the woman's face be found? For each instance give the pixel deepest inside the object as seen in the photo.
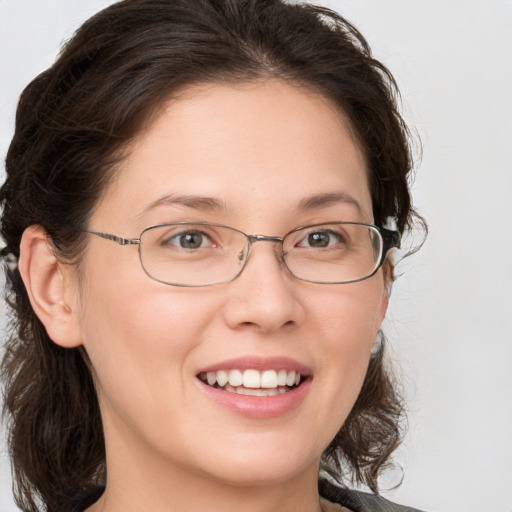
(263, 158)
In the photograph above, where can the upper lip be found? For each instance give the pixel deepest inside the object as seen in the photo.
(258, 363)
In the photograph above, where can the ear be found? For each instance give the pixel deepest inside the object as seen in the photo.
(50, 287)
(388, 276)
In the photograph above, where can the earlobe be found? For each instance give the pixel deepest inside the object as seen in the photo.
(47, 288)
(384, 306)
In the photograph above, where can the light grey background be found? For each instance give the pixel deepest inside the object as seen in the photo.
(450, 319)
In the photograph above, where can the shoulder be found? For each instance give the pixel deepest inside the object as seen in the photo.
(359, 501)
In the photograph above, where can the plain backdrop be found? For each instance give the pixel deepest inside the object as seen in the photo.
(450, 319)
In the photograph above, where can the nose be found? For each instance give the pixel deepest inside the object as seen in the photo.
(264, 296)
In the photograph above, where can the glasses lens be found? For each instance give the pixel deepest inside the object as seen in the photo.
(333, 253)
(192, 254)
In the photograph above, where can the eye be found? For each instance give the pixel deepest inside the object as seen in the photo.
(189, 240)
(320, 239)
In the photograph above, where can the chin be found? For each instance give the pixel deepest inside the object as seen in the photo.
(263, 475)
(263, 467)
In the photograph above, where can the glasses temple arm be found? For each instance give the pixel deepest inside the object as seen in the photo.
(117, 239)
(391, 239)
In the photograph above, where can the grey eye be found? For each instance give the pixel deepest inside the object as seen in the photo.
(320, 239)
(190, 240)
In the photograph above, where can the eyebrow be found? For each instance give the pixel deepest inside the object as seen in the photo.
(190, 201)
(211, 204)
(324, 200)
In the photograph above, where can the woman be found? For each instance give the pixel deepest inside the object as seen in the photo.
(253, 153)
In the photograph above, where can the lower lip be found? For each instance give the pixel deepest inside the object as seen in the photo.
(259, 407)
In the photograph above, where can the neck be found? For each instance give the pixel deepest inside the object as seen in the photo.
(151, 482)
(180, 491)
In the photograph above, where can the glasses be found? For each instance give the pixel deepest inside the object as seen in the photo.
(205, 254)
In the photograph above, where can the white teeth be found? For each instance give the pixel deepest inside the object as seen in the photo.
(251, 379)
(235, 378)
(256, 392)
(222, 378)
(269, 379)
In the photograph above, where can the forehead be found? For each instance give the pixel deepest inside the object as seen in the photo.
(255, 146)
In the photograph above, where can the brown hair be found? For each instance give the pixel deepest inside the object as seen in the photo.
(72, 123)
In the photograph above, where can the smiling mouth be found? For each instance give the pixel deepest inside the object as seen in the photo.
(253, 382)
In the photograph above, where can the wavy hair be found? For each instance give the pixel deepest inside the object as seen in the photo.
(72, 124)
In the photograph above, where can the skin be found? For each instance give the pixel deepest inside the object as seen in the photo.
(259, 149)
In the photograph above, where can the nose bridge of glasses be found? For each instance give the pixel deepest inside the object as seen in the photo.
(265, 238)
(278, 240)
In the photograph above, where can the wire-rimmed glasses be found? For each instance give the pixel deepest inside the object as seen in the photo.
(206, 254)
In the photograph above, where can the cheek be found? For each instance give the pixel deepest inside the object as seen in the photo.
(349, 319)
(349, 316)
(139, 336)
